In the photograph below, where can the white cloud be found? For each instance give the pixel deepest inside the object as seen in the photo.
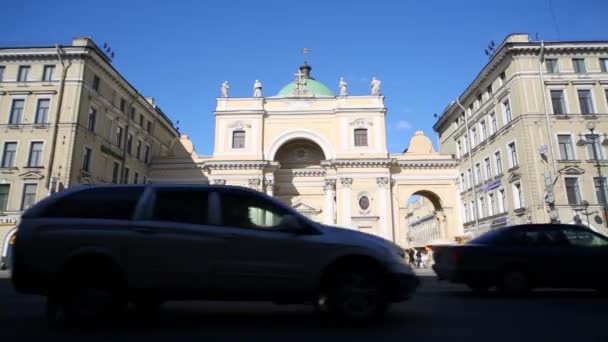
(404, 125)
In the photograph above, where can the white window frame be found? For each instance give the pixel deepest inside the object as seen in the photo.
(488, 176)
(519, 200)
(16, 153)
(473, 137)
(578, 185)
(491, 211)
(29, 152)
(493, 129)
(504, 112)
(28, 182)
(10, 109)
(96, 109)
(602, 148)
(503, 205)
(572, 140)
(48, 116)
(510, 156)
(232, 139)
(502, 166)
(478, 173)
(367, 137)
(90, 159)
(483, 130)
(578, 101)
(566, 101)
(481, 206)
(466, 212)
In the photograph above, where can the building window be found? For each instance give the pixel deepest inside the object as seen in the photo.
(141, 120)
(24, 70)
(492, 204)
(16, 115)
(119, 131)
(459, 150)
(125, 178)
(123, 107)
(133, 114)
(364, 202)
(579, 65)
(465, 140)
(466, 213)
(601, 189)
(86, 160)
(147, 154)
(92, 119)
(489, 90)
(572, 190)
(463, 184)
(96, 83)
(506, 107)
(47, 75)
(9, 154)
(130, 144)
(144, 180)
(493, 125)
(35, 157)
(503, 201)
(518, 196)
(503, 78)
(1, 73)
(138, 151)
(29, 195)
(557, 100)
(513, 162)
(585, 101)
(565, 147)
(488, 167)
(473, 137)
(473, 211)
(594, 149)
(149, 127)
(477, 173)
(482, 207)
(498, 160)
(4, 190)
(361, 137)
(551, 64)
(604, 64)
(42, 111)
(238, 139)
(135, 178)
(469, 179)
(482, 130)
(115, 171)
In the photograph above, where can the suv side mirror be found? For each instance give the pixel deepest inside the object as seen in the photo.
(291, 223)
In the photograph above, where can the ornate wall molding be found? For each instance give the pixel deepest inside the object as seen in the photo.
(239, 165)
(239, 125)
(361, 123)
(382, 182)
(346, 182)
(219, 182)
(330, 185)
(254, 183)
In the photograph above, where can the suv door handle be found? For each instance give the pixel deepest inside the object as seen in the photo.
(144, 230)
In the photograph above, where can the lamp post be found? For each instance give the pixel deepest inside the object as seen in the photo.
(596, 156)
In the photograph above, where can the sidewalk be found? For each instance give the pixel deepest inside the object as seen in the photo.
(4, 274)
(424, 271)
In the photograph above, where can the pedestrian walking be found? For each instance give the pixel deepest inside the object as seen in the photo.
(419, 258)
(412, 256)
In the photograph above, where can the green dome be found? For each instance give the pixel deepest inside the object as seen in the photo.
(313, 87)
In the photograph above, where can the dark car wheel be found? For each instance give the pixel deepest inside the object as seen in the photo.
(357, 296)
(514, 283)
(91, 296)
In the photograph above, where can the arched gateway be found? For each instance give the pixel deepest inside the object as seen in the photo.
(326, 156)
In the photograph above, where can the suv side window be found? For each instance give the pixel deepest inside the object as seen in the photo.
(584, 238)
(243, 211)
(538, 237)
(101, 203)
(185, 206)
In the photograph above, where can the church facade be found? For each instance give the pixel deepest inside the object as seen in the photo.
(323, 154)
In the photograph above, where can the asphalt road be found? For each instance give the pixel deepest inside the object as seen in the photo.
(437, 312)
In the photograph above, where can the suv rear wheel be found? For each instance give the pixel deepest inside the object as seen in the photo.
(357, 295)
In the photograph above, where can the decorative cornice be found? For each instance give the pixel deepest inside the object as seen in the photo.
(330, 185)
(361, 123)
(312, 172)
(238, 165)
(346, 182)
(382, 182)
(433, 164)
(372, 162)
(219, 182)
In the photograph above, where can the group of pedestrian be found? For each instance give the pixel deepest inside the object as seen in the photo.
(415, 258)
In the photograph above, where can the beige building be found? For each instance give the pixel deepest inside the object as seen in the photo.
(67, 117)
(323, 154)
(422, 222)
(535, 150)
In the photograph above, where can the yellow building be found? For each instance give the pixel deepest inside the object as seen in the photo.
(323, 154)
(67, 117)
(535, 150)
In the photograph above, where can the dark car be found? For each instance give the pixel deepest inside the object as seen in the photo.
(517, 259)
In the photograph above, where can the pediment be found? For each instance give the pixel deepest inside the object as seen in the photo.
(304, 208)
(514, 176)
(572, 170)
(31, 175)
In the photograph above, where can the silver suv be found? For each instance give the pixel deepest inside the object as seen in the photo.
(93, 249)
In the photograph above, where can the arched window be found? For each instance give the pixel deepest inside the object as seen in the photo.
(238, 139)
(361, 137)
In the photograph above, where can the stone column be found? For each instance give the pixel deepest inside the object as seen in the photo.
(329, 211)
(219, 182)
(254, 183)
(382, 206)
(345, 219)
(269, 187)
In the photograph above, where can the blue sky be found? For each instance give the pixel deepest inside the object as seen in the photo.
(424, 52)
